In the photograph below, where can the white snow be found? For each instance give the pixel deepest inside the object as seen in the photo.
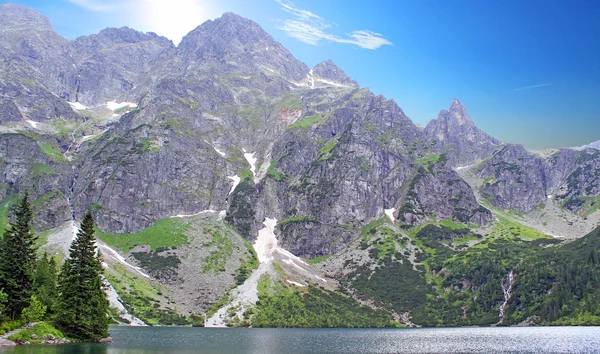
(198, 213)
(88, 137)
(113, 299)
(219, 151)
(114, 105)
(549, 196)
(266, 242)
(236, 180)
(292, 263)
(311, 79)
(32, 123)
(251, 160)
(222, 214)
(390, 214)
(245, 77)
(117, 257)
(76, 105)
(295, 283)
(331, 83)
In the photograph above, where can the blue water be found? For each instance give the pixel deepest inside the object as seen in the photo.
(155, 340)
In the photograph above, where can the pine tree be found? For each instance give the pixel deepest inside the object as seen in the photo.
(17, 260)
(44, 282)
(82, 308)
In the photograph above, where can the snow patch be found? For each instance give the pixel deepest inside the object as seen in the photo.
(236, 180)
(331, 83)
(219, 151)
(32, 123)
(295, 283)
(390, 214)
(113, 299)
(266, 242)
(198, 213)
(114, 105)
(111, 253)
(549, 196)
(77, 106)
(292, 263)
(89, 137)
(249, 156)
(311, 79)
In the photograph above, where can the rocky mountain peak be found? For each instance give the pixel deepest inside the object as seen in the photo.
(458, 112)
(454, 129)
(232, 40)
(19, 18)
(327, 71)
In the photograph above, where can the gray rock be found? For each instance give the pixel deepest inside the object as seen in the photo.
(455, 134)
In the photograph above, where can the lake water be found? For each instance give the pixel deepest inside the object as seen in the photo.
(158, 340)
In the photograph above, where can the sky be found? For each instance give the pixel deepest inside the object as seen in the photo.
(527, 71)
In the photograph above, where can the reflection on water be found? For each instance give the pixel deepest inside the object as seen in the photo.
(159, 340)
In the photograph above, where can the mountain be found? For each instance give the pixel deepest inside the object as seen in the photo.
(594, 145)
(455, 133)
(224, 171)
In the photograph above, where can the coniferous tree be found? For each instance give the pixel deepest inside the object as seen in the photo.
(44, 282)
(82, 308)
(17, 260)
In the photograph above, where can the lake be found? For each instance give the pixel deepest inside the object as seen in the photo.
(158, 340)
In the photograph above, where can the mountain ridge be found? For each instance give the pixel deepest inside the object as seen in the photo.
(188, 154)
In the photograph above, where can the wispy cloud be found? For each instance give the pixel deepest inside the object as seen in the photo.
(172, 19)
(532, 87)
(311, 28)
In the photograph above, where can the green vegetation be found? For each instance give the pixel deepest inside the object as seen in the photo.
(53, 152)
(150, 145)
(37, 333)
(428, 159)
(307, 122)
(317, 260)
(325, 152)
(157, 264)
(142, 299)
(282, 306)
(163, 233)
(39, 169)
(5, 207)
(82, 306)
(222, 248)
(18, 254)
(247, 266)
(274, 173)
(7, 326)
(299, 219)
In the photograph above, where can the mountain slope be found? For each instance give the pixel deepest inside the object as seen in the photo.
(189, 155)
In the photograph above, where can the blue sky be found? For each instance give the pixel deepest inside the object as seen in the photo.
(527, 71)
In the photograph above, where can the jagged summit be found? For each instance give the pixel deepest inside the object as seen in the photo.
(234, 40)
(328, 73)
(454, 129)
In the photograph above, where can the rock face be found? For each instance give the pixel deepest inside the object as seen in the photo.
(455, 134)
(516, 179)
(329, 74)
(230, 104)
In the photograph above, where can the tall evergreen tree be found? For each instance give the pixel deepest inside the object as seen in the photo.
(82, 308)
(18, 259)
(44, 282)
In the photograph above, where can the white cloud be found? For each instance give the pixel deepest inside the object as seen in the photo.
(532, 87)
(311, 29)
(170, 18)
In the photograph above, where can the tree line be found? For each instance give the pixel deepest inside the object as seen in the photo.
(32, 288)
